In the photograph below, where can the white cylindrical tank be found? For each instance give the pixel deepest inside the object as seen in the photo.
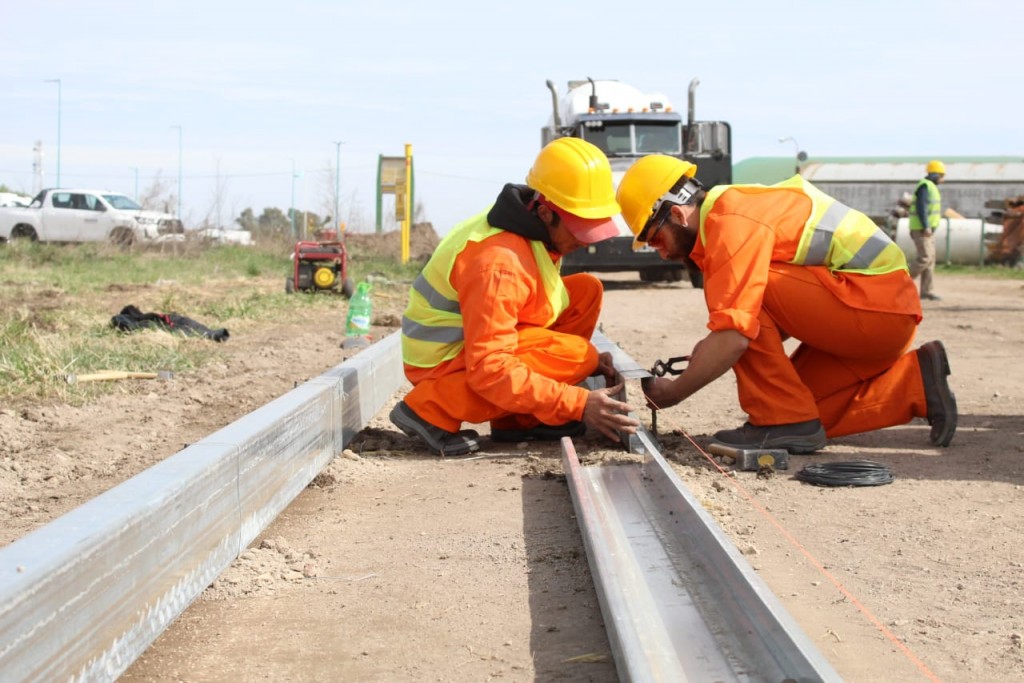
(957, 240)
(620, 97)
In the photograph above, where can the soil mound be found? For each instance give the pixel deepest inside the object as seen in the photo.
(422, 242)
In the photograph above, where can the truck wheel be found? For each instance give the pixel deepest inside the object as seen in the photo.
(24, 232)
(674, 275)
(650, 275)
(122, 237)
(697, 280)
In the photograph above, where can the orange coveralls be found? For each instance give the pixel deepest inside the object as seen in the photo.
(852, 369)
(512, 371)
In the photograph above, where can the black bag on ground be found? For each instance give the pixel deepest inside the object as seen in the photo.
(131, 318)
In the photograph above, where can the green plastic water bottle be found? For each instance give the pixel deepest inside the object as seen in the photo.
(360, 311)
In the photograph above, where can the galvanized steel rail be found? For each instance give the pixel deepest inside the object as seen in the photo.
(680, 602)
(82, 597)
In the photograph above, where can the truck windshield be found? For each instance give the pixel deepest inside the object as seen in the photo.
(119, 201)
(626, 138)
(612, 138)
(658, 138)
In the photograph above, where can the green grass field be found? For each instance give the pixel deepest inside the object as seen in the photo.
(56, 302)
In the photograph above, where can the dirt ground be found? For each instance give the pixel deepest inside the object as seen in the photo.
(399, 566)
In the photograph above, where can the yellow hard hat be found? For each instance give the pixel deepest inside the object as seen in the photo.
(645, 185)
(936, 167)
(575, 176)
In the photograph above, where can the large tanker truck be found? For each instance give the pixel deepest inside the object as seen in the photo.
(628, 124)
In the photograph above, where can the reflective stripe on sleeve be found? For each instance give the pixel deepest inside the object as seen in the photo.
(434, 298)
(431, 333)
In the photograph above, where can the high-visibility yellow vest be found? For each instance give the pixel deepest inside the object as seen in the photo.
(934, 207)
(834, 235)
(432, 324)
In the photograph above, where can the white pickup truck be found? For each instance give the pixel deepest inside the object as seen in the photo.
(59, 215)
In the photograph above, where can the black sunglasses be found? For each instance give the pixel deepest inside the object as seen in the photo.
(650, 233)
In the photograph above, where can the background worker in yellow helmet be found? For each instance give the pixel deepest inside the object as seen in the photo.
(925, 214)
(493, 333)
(788, 261)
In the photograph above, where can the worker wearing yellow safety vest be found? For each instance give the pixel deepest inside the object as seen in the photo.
(925, 214)
(788, 261)
(494, 333)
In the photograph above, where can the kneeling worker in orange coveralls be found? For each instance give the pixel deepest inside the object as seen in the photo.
(493, 332)
(783, 261)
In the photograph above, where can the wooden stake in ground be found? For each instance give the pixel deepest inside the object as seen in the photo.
(108, 375)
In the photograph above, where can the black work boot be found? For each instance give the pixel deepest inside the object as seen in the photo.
(541, 432)
(440, 441)
(941, 402)
(799, 438)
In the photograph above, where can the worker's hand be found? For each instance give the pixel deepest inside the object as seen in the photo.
(658, 392)
(927, 232)
(608, 415)
(711, 358)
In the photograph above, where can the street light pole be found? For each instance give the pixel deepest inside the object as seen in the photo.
(796, 150)
(337, 182)
(179, 170)
(291, 207)
(57, 81)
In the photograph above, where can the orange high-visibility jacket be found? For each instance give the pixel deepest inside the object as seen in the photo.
(748, 228)
(501, 291)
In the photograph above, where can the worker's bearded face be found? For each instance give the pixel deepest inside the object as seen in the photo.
(564, 241)
(675, 242)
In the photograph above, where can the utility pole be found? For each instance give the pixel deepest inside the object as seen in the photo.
(179, 170)
(337, 183)
(37, 167)
(291, 207)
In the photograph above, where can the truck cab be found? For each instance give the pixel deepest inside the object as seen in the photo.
(627, 124)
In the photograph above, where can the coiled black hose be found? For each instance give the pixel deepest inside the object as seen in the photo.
(852, 473)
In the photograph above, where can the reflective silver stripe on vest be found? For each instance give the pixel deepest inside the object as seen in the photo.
(825, 230)
(866, 255)
(436, 300)
(431, 333)
(821, 240)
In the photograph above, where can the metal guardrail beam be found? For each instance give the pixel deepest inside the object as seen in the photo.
(680, 602)
(82, 597)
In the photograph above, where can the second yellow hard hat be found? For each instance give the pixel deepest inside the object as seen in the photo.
(644, 184)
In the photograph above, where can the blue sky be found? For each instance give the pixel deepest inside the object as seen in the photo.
(260, 86)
